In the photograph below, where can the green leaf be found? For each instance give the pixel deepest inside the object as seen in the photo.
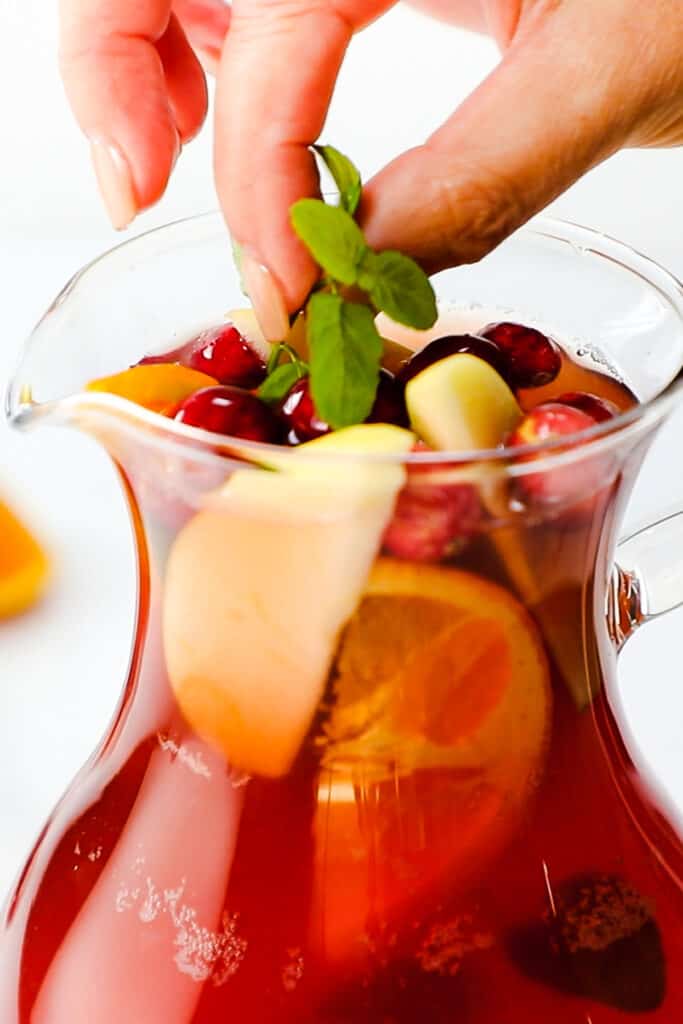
(346, 176)
(345, 356)
(333, 237)
(401, 289)
(277, 384)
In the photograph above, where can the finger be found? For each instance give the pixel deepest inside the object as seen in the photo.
(546, 115)
(115, 81)
(206, 24)
(277, 73)
(185, 80)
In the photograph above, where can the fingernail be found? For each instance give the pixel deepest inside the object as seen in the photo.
(115, 181)
(266, 297)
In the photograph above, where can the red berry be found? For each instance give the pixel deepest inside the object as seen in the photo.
(431, 519)
(571, 484)
(390, 402)
(599, 409)
(298, 412)
(221, 352)
(452, 345)
(231, 411)
(533, 359)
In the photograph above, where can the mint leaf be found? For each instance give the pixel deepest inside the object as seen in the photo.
(346, 176)
(333, 237)
(278, 384)
(400, 288)
(368, 272)
(345, 356)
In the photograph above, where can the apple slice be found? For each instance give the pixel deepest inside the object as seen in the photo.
(460, 403)
(260, 583)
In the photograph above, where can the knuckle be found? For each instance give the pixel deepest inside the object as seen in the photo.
(473, 217)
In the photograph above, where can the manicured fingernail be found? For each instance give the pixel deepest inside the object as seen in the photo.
(266, 297)
(115, 181)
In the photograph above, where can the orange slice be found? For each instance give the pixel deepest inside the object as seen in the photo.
(438, 727)
(23, 565)
(160, 387)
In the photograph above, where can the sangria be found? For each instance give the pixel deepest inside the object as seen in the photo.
(367, 768)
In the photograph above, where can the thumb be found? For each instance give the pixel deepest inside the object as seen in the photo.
(546, 115)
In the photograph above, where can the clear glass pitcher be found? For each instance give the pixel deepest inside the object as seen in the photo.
(342, 786)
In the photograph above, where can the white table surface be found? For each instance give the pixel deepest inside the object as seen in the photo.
(62, 665)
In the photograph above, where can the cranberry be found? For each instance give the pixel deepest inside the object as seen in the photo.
(571, 484)
(221, 352)
(599, 409)
(452, 345)
(232, 411)
(390, 402)
(533, 359)
(298, 412)
(431, 519)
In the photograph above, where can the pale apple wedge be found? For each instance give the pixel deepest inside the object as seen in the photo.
(461, 404)
(261, 582)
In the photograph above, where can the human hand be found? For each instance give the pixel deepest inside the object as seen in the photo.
(578, 81)
(135, 83)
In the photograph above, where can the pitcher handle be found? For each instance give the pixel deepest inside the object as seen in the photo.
(648, 576)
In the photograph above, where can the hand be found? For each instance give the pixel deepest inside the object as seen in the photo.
(137, 87)
(578, 81)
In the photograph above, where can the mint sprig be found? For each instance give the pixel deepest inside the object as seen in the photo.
(332, 237)
(345, 355)
(345, 176)
(343, 341)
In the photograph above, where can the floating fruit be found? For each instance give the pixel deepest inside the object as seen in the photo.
(432, 517)
(260, 583)
(461, 404)
(160, 387)
(601, 943)
(534, 359)
(232, 353)
(390, 401)
(563, 485)
(441, 348)
(299, 415)
(438, 727)
(599, 409)
(231, 411)
(23, 565)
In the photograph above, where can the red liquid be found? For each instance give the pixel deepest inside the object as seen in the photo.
(167, 888)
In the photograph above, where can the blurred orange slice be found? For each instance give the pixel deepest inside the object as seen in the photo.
(160, 387)
(437, 730)
(23, 565)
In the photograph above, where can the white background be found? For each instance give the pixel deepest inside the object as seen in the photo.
(62, 665)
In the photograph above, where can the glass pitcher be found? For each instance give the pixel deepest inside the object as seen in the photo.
(342, 786)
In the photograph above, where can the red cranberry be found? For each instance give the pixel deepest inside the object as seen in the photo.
(533, 359)
(298, 412)
(221, 352)
(599, 409)
(390, 402)
(452, 345)
(431, 519)
(572, 484)
(232, 411)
